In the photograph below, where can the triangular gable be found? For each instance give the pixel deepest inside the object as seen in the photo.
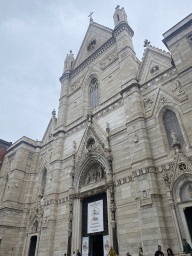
(49, 131)
(95, 37)
(153, 58)
(182, 165)
(99, 146)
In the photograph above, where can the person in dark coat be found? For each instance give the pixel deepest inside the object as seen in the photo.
(169, 252)
(186, 247)
(159, 252)
(78, 253)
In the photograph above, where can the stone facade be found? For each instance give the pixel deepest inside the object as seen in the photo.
(119, 148)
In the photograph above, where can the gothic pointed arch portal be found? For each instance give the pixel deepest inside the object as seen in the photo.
(182, 195)
(93, 184)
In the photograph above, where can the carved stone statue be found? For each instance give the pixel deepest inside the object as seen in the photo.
(190, 191)
(176, 143)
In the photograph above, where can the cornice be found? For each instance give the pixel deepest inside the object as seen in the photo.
(89, 60)
(123, 27)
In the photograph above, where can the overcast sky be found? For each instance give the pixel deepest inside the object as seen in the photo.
(36, 35)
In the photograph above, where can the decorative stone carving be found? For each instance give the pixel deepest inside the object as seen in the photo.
(144, 194)
(189, 39)
(75, 86)
(168, 179)
(177, 88)
(95, 173)
(176, 143)
(190, 191)
(182, 166)
(146, 43)
(107, 61)
(148, 102)
(90, 144)
(92, 44)
(154, 70)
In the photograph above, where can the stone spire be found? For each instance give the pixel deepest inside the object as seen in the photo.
(119, 15)
(69, 61)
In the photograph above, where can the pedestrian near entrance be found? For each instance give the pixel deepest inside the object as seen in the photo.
(112, 252)
(159, 252)
(128, 254)
(78, 253)
(169, 252)
(186, 247)
(73, 253)
(140, 251)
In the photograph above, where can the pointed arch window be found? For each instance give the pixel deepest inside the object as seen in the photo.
(171, 124)
(43, 182)
(94, 93)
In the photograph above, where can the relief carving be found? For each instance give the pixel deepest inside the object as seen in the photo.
(107, 61)
(148, 102)
(95, 173)
(75, 86)
(177, 88)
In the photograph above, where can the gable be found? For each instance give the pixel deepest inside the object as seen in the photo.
(49, 131)
(154, 62)
(95, 37)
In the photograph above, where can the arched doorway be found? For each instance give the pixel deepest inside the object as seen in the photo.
(182, 192)
(92, 230)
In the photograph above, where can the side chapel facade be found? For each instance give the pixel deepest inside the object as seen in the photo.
(123, 135)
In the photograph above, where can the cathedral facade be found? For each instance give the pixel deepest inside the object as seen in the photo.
(114, 168)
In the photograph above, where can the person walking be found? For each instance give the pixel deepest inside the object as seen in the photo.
(73, 253)
(159, 252)
(78, 253)
(128, 254)
(140, 251)
(169, 252)
(186, 247)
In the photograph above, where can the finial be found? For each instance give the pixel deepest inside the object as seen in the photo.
(90, 15)
(117, 7)
(53, 113)
(70, 51)
(146, 43)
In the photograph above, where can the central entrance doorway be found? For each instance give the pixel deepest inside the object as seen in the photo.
(188, 216)
(96, 247)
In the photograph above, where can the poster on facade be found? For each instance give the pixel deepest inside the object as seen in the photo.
(85, 246)
(95, 217)
(106, 245)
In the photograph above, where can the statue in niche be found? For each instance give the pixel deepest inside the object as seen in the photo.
(87, 180)
(94, 176)
(174, 136)
(190, 191)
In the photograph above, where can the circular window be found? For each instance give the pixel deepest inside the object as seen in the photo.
(91, 45)
(182, 167)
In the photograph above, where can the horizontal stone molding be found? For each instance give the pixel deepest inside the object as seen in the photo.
(89, 60)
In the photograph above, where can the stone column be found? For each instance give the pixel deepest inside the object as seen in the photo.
(112, 226)
(77, 225)
(70, 222)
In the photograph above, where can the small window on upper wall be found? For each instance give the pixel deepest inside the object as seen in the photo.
(171, 124)
(94, 93)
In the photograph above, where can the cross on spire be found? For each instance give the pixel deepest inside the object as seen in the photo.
(90, 15)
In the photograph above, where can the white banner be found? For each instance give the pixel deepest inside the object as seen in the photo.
(85, 246)
(106, 245)
(95, 217)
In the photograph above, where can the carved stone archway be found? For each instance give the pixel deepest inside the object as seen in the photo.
(93, 177)
(180, 203)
